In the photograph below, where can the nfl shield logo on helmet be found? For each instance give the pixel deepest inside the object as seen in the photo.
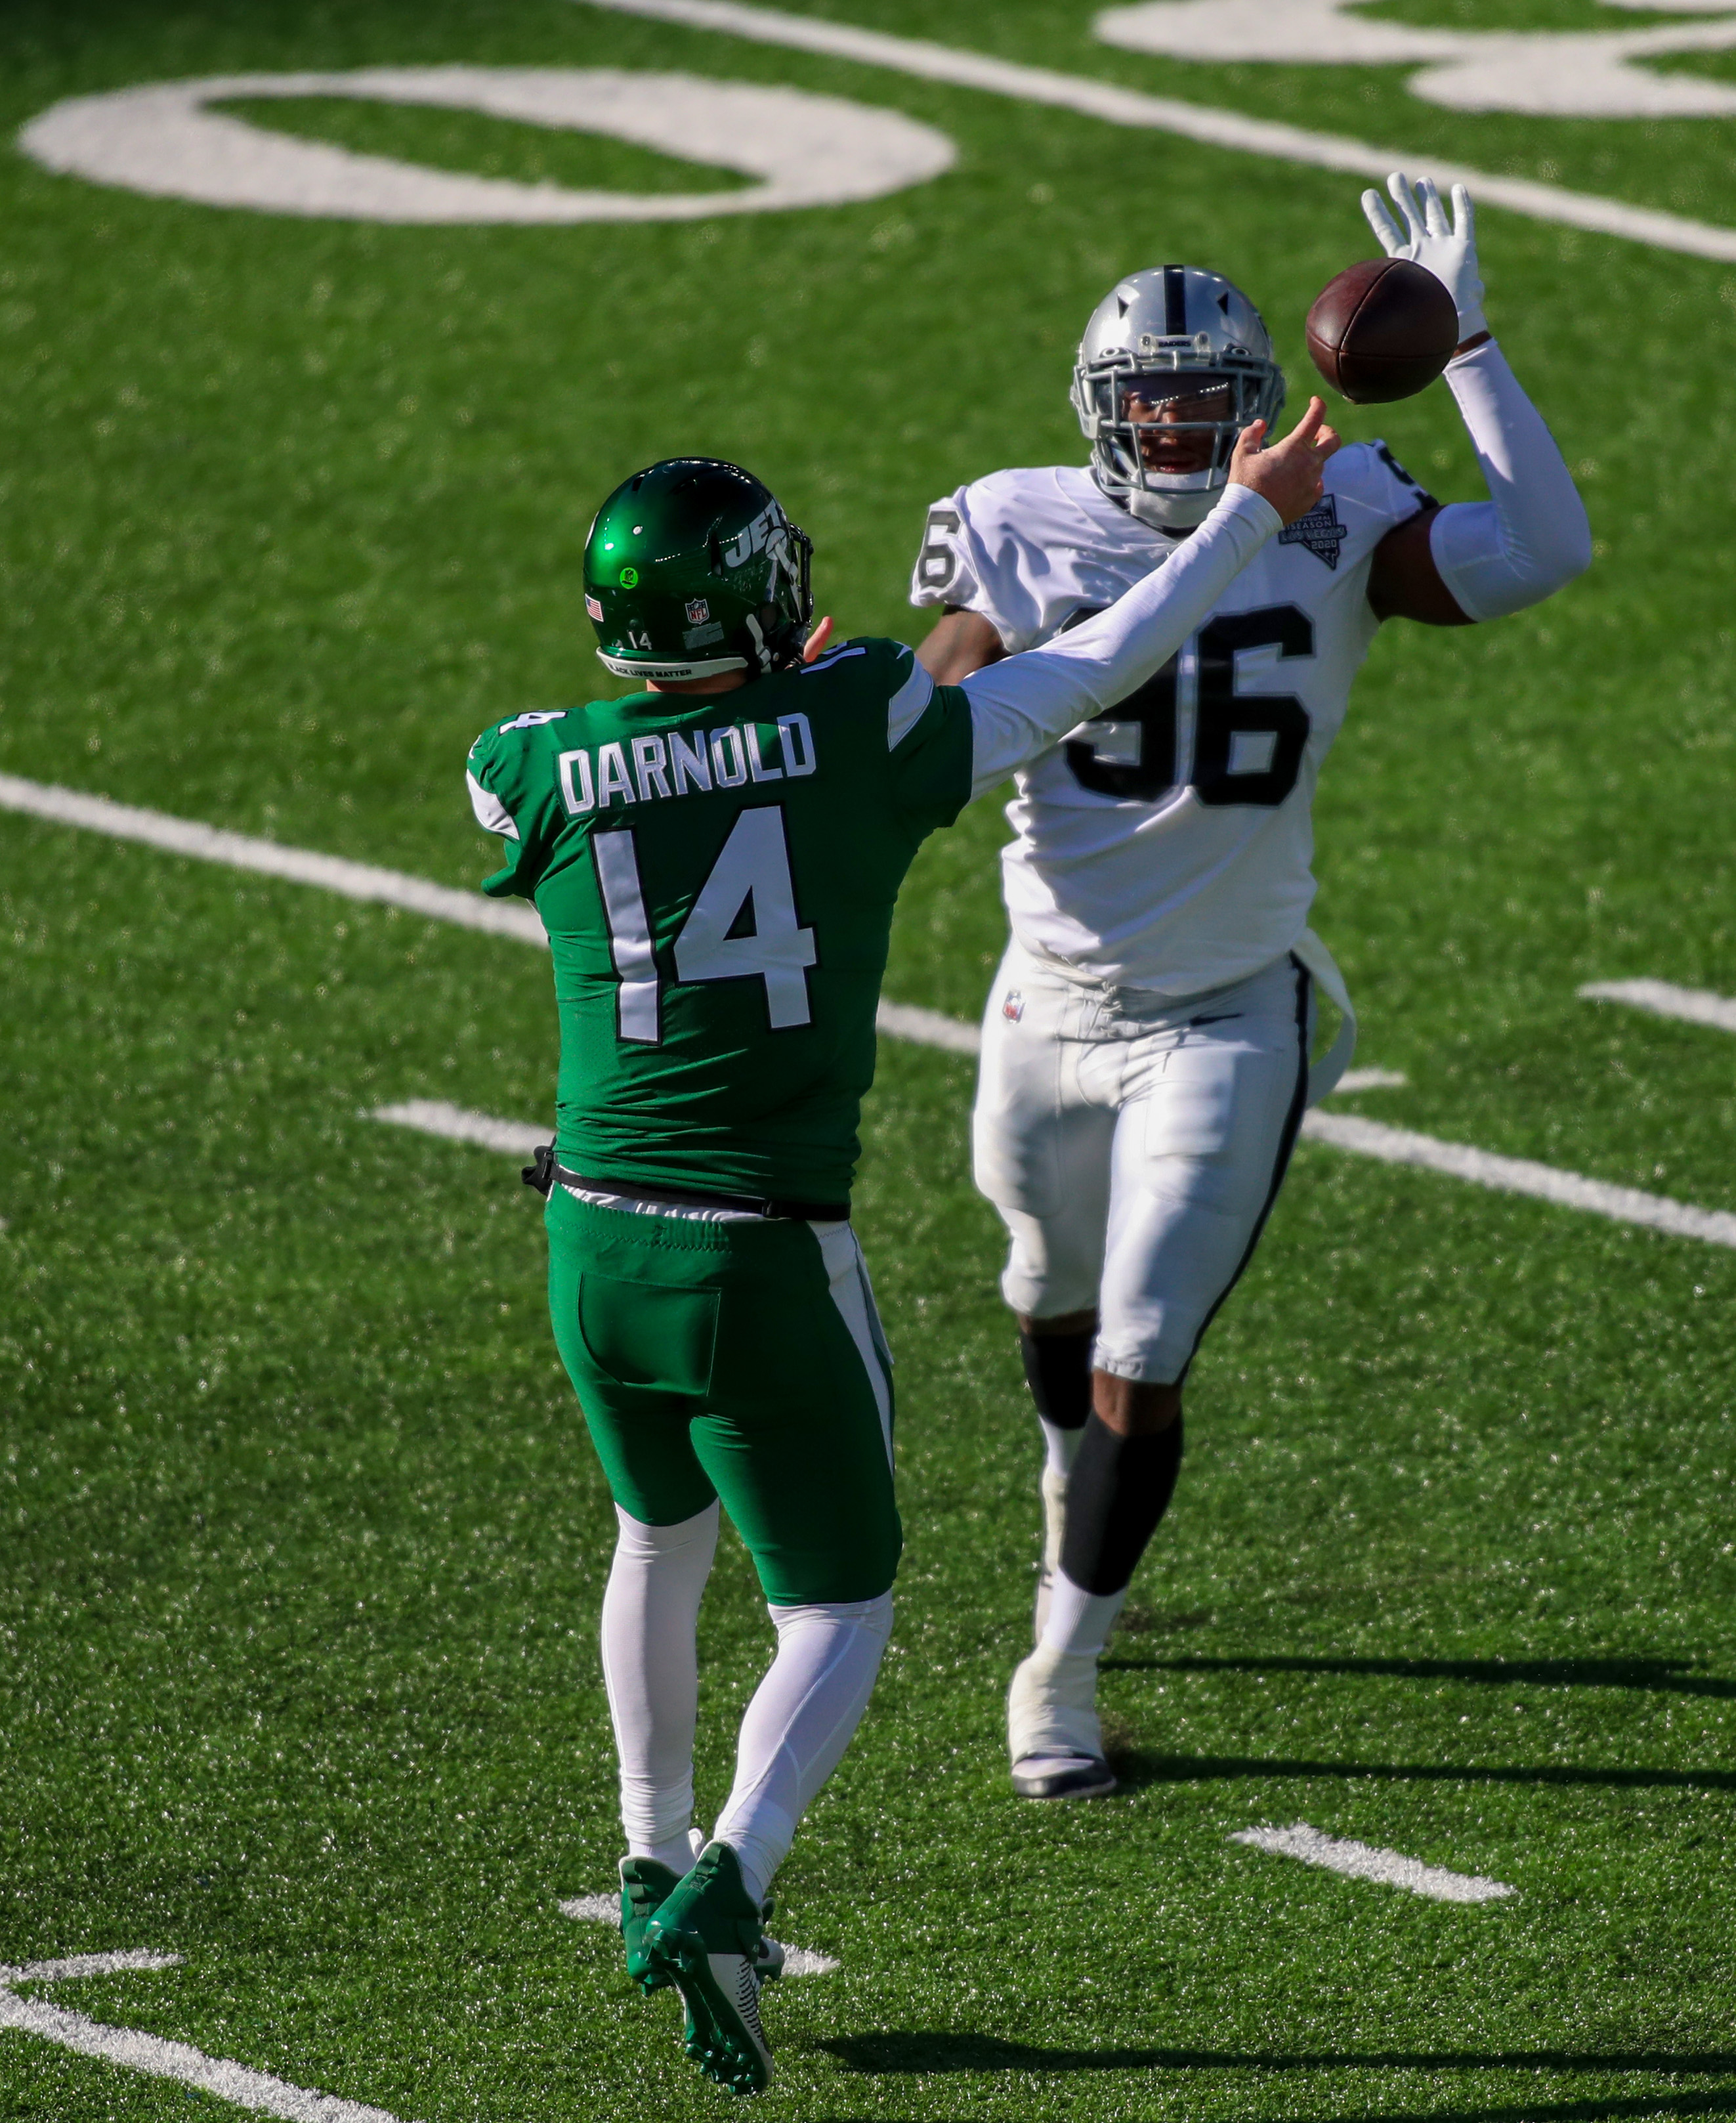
(698, 611)
(594, 606)
(1013, 1005)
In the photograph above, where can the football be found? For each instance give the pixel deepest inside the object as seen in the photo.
(1382, 330)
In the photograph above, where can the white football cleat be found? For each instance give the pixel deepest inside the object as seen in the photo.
(1055, 1523)
(1053, 1736)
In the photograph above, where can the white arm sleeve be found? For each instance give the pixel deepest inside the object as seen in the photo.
(1531, 537)
(1021, 705)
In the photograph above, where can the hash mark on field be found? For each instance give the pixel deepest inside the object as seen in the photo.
(1664, 999)
(154, 2055)
(1372, 1080)
(607, 1909)
(1367, 1861)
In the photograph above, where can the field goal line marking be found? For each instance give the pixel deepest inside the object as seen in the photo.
(155, 2056)
(1194, 121)
(1368, 1861)
(364, 881)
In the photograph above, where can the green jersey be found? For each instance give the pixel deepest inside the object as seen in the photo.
(717, 876)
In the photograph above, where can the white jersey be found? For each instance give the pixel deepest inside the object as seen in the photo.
(1170, 846)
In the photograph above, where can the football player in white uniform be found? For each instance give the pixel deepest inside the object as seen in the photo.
(1146, 1060)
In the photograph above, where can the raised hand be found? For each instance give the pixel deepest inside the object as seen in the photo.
(1288, 474)
(1448, 248)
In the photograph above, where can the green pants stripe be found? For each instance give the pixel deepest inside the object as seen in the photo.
(741, 1360)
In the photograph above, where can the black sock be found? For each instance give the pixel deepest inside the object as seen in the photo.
(1058, 1371)
(1119, 1489)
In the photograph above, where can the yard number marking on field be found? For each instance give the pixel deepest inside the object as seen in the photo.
(1368, 1861)
(1192, 121)
(607, 1909)
(928, 1028)
(151, 2054)
(164, 139)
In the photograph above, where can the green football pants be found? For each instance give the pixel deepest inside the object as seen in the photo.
(739, 1360)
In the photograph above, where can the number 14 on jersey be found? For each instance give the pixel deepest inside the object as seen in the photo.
(749, 882)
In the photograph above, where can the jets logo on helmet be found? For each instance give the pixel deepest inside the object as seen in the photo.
(1174, 363)
(692, 555)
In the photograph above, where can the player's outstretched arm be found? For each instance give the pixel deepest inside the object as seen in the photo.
(1475, 560)
(1020, 706)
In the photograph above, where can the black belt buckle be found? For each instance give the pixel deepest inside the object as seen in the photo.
(539, 1172)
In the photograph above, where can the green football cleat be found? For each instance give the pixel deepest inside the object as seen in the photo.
(706, 1939)
(645, 1887)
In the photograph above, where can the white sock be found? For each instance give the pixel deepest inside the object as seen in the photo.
(802, 1717)
(651, 1613)
(1079, 1621)
(1061, 1447)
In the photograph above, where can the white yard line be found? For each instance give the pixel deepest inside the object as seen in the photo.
(212, 844)
(1367, 1861)
(927, 1028)
(156, 2057)
(1663, 999)
(457, 1124)
(1519, 1175)
(1192, 121)
(364, 881)
(607, 1909)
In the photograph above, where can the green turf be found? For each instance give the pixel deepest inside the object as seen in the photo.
(301, 1545)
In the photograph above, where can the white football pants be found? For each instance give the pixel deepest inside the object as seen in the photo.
(1134, 1144)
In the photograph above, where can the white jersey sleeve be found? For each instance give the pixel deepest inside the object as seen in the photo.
(988, 548)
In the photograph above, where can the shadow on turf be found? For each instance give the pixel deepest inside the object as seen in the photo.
(1662, 1676)
(923, 2050)
(1136, 1769)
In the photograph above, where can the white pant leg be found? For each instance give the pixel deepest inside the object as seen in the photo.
(1042, 1147)
(1213, 1097)
(650, 1621)
(802, 1717)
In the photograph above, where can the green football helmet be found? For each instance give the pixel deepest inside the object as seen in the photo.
(692, 568)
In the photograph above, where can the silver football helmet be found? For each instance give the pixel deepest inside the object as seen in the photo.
(1174, 363)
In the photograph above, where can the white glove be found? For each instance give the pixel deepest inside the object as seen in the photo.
(1448, 251)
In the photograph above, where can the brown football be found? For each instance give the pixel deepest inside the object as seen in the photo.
(1382, 329)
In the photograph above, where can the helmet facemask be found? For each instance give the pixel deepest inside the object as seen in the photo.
(1165, 459)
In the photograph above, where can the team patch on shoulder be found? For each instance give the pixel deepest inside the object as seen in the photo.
(534, 718)
(1320, 531)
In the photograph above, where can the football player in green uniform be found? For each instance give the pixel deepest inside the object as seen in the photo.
(715, 858)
